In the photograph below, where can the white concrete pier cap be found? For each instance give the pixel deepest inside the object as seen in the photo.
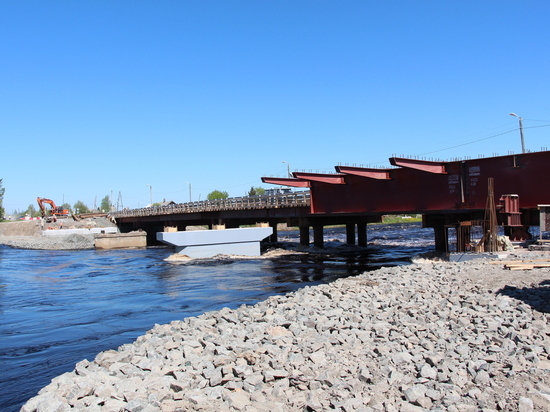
(208, 243)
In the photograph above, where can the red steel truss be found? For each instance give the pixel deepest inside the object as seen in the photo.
(425, 187)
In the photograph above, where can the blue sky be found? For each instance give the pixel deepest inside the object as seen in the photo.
(107, 97)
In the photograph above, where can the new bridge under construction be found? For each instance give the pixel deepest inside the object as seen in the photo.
(503, 191)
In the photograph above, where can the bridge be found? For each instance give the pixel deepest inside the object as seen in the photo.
(452, 194)
(292, 209)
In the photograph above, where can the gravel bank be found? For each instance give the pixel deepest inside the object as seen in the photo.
(69, 242)
(28, 234)
(430, 336)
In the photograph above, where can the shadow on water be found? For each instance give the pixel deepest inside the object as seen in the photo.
(537, 297)
(330, 266)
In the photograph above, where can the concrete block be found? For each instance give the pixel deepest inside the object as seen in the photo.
(66, 232)
(121, 240)
(463, 257)
(208, 243)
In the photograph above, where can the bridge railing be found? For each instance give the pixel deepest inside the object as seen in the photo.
(295, 199)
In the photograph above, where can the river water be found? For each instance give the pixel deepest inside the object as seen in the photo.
(59, 307)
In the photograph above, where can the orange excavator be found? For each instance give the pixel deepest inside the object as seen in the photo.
(55, 210)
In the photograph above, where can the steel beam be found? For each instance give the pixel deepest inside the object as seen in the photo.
(285, 181)
(423, 165)
(322, 178)
(381, 174)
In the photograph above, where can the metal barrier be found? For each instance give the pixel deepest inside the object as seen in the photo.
(295, 199)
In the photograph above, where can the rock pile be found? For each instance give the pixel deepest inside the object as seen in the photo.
(410, 338)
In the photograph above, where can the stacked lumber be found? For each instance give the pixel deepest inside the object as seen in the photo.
(524, 265)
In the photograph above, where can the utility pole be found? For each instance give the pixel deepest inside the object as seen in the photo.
(189, 191)
(119, 205)
(287, 168)
(150, 195)
(520, 131)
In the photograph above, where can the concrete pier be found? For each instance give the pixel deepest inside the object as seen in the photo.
(120, 240)
(208, 243)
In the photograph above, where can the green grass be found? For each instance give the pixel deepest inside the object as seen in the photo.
(390, 219)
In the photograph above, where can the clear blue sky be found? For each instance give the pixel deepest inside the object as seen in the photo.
(101, 97)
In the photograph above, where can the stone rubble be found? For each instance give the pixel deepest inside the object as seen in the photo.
(422, 337)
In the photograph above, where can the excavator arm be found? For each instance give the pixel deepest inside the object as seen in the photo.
(54, 209)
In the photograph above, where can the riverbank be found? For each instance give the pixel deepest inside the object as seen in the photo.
(28, 234)
(428, 336)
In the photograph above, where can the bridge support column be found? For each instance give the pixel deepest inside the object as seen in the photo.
(350, 233)
(362, 234)
(273, 237)
(440, 237)
(463, 238)
(304, 235)
(273, 226)
(318, 236)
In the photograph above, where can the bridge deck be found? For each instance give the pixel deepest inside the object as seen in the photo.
(297, 199)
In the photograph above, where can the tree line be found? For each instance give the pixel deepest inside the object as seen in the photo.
(219, 194)
(79, 207)
(2, 190)
(105, 205)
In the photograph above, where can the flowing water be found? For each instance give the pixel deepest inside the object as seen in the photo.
(59, 307)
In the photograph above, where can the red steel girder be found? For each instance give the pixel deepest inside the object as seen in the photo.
(383, 174)
(432, 187)
(285, 181)
(424, 165)
(321, 177)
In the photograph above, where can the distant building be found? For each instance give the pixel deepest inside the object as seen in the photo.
(165, 203)
(278, 191)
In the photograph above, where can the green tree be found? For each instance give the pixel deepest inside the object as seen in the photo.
(67, 206)
(217, 194)
(256, 191)
(105, 205)
(31, 211)
(80, 207)
(2, 191)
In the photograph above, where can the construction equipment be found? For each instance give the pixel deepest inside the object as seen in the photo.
(55, 211)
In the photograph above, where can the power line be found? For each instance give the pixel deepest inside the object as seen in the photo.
(534, 127)
(482, 139)
(467, 143)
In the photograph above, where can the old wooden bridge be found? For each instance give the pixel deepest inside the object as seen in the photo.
(292, 209)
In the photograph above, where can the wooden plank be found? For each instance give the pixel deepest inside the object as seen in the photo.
(526, 265)
(518, 262)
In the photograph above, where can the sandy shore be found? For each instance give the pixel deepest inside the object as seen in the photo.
(434, 335)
